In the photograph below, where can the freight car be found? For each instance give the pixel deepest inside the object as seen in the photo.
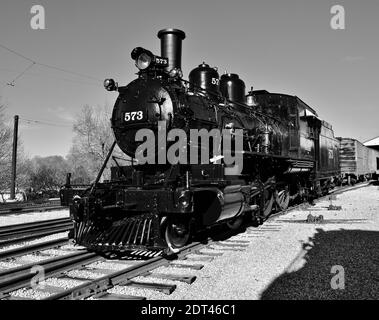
(285, 153)
(357, 162)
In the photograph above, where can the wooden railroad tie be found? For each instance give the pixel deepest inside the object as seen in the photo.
(186, 266)
(174, 277)
(161, 287)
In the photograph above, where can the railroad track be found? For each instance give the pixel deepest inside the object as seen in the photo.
(306, 205)
(24, 250)
(129, 270)
(57, 268)
(24, 208)
(21, 277)
(98, 288)
(14, 234)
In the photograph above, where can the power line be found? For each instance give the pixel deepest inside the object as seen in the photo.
(21, 74)
(43, 65)
(16, 53)
(52, 77)
(31, 121)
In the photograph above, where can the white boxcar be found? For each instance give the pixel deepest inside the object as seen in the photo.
(356, 160)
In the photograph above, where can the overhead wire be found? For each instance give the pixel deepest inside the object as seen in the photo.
(34, 62)
(16, 53)
(66, 79)
(20, 75)
(32, 121)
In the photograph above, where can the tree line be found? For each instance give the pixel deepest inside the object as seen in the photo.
(93, 137)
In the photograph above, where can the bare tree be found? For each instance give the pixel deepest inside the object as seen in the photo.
(92, 141)
(23, 163)
(5, 149)
(5, 137)
(48, 173)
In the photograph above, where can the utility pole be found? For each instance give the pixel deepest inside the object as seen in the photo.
(14, 158)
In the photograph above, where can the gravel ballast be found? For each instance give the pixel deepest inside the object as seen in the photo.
(56, 236)
(288, 258)
(18, 218)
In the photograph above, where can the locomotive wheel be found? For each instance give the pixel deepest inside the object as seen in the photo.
(177, 234)
(235, 224)
(283, 199)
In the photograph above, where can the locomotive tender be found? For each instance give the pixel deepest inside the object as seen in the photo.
(288, 154)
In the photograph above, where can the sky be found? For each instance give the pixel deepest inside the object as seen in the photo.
(285, 46)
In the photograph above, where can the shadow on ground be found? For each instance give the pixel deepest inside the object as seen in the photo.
(357, 251)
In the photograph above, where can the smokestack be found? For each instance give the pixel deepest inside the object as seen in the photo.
(171, 47)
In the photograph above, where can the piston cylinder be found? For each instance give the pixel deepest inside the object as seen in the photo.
(214, 204)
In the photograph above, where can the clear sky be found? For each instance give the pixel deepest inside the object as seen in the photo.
(282, 46)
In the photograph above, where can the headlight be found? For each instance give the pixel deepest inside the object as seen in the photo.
(110, 85)
(143, 61)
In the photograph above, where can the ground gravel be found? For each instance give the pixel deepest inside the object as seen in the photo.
(63, 283)
(55, 236)
(31, 258)
(18, 218)
(30, 294)
(84, 274)
(106, 265)
(189, 262)
(56, 252)
(288, 258)
(9, 264)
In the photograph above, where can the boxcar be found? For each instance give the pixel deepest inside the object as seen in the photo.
(357, 161)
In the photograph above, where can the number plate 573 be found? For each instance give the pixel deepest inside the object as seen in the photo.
(133, 116)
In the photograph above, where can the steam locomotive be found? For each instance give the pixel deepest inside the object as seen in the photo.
(287, 154)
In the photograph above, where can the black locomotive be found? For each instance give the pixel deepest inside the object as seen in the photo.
(287, 154)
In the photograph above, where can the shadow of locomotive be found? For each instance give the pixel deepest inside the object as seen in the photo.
(357, 251)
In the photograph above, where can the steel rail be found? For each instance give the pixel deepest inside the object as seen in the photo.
(13, 253)
(20, 277)
(34, 236)
(16, 234)
(121, 277)
(18, 228)
(22, 208)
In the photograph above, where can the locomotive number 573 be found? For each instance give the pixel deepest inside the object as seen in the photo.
(132, 116)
